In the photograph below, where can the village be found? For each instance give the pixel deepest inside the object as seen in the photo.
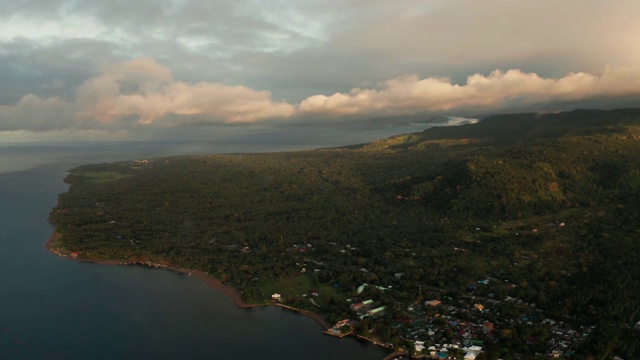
(443, 327)
(481, 318)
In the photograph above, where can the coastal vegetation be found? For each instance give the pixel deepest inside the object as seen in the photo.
(539, 209)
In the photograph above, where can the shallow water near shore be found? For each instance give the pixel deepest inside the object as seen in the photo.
(53, 308)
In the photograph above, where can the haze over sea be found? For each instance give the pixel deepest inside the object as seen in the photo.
(53, 308)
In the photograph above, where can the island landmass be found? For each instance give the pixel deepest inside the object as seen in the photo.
(501, 239)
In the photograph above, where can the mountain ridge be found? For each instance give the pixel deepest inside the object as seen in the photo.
(513, 127)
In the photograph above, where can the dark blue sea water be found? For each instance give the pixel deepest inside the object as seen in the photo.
(53, 308)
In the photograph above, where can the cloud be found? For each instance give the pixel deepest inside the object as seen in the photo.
(457, 120)
(513, 89)
(296, 50)
(499, 32)
(37, 114)
(141, 88)
(350, 65)
(141, 93)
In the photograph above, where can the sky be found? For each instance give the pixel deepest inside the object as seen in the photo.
(304, 73)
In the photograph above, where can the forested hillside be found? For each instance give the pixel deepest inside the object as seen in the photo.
(546, 206)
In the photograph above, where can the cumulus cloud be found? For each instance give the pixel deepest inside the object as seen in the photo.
(141, 93)
(512, 89)
(35, 113)
(146, 90)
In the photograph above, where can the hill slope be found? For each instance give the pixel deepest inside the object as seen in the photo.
(510, 128)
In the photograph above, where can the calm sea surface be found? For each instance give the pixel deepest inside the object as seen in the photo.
(53, 308)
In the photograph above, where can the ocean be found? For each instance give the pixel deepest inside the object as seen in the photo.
(54, 308)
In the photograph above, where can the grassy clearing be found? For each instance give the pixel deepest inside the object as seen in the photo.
(539, 220)
(296, 287)
(102, 176)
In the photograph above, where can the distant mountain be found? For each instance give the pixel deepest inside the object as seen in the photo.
(509, 128)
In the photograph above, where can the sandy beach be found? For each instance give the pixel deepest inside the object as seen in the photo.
(211, 281)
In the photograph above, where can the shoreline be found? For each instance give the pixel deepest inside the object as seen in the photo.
(209, 280)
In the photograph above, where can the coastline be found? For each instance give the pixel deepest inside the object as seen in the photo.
(209, 280)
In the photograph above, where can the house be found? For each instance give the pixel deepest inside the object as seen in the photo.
(478, 306)
(433, 302)
(276, 297)
(472, 352)
(376, 311)
(432, 351)
(358, 306)
(470, 356)
(487, 327)
(476, 349)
